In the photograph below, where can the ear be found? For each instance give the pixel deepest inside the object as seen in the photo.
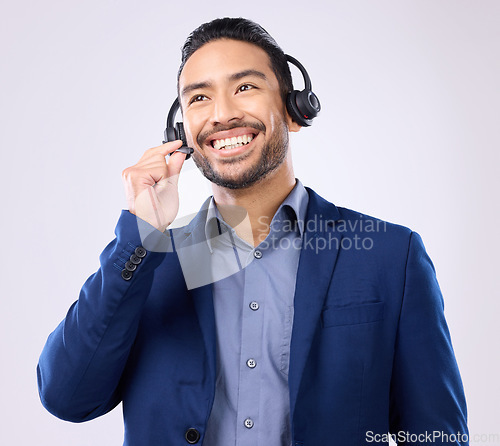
(292, 125)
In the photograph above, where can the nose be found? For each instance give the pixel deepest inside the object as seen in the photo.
(225, 110)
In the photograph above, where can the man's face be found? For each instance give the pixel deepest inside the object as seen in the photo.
(233, 113)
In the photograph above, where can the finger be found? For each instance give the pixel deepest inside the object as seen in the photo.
(175, 163)
(166, 148)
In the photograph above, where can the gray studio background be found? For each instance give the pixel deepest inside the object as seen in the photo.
(408, 133)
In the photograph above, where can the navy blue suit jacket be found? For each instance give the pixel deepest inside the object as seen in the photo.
(370, 350)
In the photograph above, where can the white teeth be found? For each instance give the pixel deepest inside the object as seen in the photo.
(231, 143)
(232, 146)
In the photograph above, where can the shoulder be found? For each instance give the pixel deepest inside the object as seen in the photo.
(353, 221)
(380, 239)
(361, 237)
(356, 221)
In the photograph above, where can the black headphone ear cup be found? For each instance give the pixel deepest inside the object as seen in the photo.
(308, 104)
(303, 106)
(181, 134)
(170, 135)
(293, 110)
(174, 132)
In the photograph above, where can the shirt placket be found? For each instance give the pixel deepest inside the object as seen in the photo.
(248, 421)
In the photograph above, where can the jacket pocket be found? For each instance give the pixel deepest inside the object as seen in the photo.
(357, 314)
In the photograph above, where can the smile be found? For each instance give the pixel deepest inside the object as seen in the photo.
(231, 143)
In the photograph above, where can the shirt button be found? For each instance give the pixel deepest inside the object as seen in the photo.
(248, 423)
(257, 254)
(251, 363)
(192, 435)
(254, 305)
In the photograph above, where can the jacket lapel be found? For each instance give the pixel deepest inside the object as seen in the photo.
(316, 264)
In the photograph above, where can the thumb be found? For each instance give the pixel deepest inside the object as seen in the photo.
(174, 166)
(175, 163)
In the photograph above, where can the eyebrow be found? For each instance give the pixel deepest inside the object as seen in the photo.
(245, 73)
(233, 77)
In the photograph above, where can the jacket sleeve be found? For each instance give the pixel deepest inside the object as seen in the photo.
(427, 397)
(83, 359)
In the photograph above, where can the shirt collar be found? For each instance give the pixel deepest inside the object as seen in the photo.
(294, 205)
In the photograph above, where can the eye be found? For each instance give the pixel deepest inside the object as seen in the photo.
(198, 98)
(245, 87)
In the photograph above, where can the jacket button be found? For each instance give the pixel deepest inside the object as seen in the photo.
(140, 252)
(192, 435)
(134, 258)
(126, 274)
(130, 266)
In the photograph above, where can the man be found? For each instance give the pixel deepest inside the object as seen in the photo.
(292, 322)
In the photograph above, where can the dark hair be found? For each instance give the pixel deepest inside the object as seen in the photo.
(246, 31)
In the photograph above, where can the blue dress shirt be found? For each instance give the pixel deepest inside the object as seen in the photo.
(253, 303)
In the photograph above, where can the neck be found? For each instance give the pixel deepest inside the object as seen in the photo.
(260, 202)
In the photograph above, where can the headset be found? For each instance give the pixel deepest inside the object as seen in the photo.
(303, 106)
